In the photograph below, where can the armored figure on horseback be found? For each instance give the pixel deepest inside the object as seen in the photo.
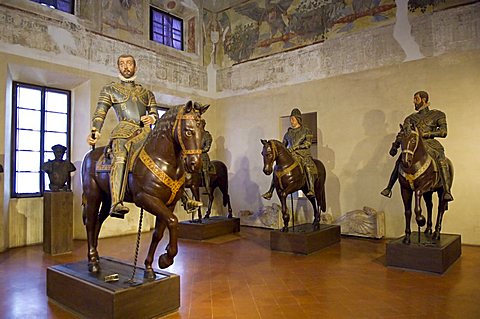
(136, 109)
(298, 140)
(432, 124)
(206, 144)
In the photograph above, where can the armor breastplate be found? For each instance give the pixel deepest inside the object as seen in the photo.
(129, 102)
(294, 137)
(428, 121)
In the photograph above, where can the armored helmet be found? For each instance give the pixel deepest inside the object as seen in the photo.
(298, 115)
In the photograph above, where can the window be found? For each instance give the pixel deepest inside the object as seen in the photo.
(41, 119)
(166, 29)
(62, 5)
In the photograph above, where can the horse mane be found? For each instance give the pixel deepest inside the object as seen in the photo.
(165, 123)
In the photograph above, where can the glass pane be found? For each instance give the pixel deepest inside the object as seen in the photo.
(28, 119)
(56, 102)
(29, 98)
(177, 24)
(28, 140)
(53, 139)
(55, 122)
(27, 161)
(27, 183)
(48, 156)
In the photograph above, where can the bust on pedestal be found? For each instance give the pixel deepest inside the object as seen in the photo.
(58, 205)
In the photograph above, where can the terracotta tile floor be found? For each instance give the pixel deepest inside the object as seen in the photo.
(237, 276)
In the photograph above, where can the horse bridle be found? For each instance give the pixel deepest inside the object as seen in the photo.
(183, 117)
(284, 171)
(407, 151)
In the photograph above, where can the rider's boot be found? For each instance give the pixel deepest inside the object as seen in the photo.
(117, 188)
(269, 193)
(446, 180)
(310, 184)
(387, 192)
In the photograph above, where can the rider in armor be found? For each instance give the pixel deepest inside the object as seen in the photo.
(206, 144)
(136, 110)
(298, 140)
(432, 124)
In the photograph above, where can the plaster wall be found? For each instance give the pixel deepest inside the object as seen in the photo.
(357, 118)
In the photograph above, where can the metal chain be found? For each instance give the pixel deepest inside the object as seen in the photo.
(132, 279)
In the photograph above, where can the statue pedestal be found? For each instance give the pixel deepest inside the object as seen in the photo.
(427, 255)
(210, 227)
(88, 295)
(303, 239)
(57, 222)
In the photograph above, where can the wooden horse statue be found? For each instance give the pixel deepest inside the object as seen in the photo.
(218, 178)
(288, 177)
(419, 176)
(155, 181)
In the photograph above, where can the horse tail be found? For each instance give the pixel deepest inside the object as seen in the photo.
(320, 186)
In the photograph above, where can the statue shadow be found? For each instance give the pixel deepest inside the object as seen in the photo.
(367, 171)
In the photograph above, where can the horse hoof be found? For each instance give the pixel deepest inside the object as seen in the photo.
(93, 267)
(436, 235)
(229, 215)
(421, 221)
(149, 273)
(428, 232)
(406, 240)
(164, 261)
(284, 229)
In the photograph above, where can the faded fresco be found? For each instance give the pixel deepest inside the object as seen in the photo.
(123, 19)
(259, 28)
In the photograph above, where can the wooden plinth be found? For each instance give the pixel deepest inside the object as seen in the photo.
(303, 239)
(57, 222)
(87, 294)
(209, 228)
(425, 255)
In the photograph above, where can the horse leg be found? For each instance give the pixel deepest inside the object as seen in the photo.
(156, 237)
(285, 215)
(427, 197)
(210, 202)
(196, 195)
(92, 225)
(155, 206)
(441, 210)
(418, 209)
(226, 200)
(407, 203)
(316, 215)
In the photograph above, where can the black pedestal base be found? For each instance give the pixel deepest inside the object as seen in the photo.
(425, 255)
(303, 239)
(209, 227)
(87, 294)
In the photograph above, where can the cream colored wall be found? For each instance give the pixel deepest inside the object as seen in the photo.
(358, 117)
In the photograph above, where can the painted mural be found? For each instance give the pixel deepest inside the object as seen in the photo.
(123, 19)
(259, 28)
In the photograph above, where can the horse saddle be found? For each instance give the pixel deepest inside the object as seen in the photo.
(134, 146)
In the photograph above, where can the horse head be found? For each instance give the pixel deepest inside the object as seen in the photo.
(410, 138)
(269, 154)
(188, 132)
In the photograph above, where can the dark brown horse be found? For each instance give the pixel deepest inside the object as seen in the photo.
(218, 178)
(419, 176)
(154, 184)
(289, 177)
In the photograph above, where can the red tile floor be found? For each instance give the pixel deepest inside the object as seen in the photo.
(238, 276)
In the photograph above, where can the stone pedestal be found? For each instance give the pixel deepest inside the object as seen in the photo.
(304, 239)
(89, 295)
(57, 222)
(210, 227)
(424, 255)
